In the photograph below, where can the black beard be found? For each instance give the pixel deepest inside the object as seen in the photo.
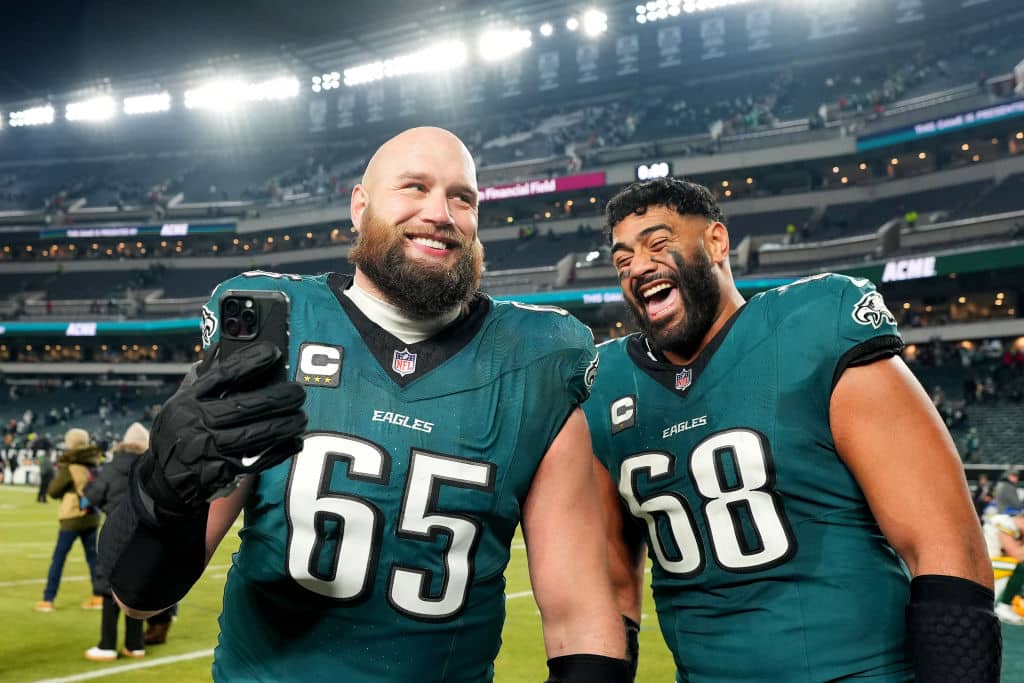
(419, 291)
(699, 290)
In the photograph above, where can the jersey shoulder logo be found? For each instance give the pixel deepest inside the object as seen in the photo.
(276, 276)
(208, 326)
(871, 310)
(319, 365)
(590, 376)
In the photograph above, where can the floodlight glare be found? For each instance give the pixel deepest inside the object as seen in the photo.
(500, 44)
(35, 116)
(147, 104)
(438, 57)
(546, 29)
(656, 10)
(690, 6)
(572, 23)
(94, 109)
(221, 95)
(225, 95)
(280, 88)
(327, 81)
(364, 73)
(595, 22)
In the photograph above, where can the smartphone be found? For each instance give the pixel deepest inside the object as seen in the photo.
(254, 315)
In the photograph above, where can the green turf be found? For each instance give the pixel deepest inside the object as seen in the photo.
(37, 647)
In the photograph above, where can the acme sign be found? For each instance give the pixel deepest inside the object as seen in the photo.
(909, 269)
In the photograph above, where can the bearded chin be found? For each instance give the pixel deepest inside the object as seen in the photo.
(701, 296)
(419, 290)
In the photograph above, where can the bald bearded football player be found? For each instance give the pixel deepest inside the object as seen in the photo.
(426, 422)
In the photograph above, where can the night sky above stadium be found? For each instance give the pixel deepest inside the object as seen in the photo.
(49, 47)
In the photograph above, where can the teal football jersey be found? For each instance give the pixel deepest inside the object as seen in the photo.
(767, 562)
(378, 552)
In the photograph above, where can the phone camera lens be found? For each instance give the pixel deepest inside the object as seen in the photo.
(249, 318)
(232, 307)
(231, 326)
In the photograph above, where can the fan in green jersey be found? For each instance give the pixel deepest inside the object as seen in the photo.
(434, 421)
(783, 469)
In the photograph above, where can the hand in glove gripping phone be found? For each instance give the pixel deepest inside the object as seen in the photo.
(237, 418)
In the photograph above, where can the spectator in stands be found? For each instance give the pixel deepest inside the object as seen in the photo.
(970, 386)
(1006, 497)
(972, 445)
(982, 495)
(108, 490)
(988, 388)
(1004, 539)
(78, 520)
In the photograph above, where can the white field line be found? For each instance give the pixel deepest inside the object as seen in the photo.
(31, 582)
(114, 670)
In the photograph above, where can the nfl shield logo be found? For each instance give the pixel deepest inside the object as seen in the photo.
(404, 362)
(683, 378)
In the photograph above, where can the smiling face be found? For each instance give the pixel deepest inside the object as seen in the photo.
(416, 214)
(667, 278)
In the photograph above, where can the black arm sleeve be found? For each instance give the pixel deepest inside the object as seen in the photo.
(152, 559)
(954, 634)
(587, 669)
(632, 645)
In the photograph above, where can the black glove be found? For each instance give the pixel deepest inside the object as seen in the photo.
(237, 418)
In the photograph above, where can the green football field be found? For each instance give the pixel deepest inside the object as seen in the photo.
(49, 647)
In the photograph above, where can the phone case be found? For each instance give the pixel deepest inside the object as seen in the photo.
(272, 323)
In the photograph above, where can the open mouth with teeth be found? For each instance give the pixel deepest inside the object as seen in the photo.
(432, 245)
(658, 298)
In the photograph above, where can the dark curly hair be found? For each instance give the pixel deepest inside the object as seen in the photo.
(686, 198)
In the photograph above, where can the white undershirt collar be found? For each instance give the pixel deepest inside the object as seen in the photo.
(397, 323)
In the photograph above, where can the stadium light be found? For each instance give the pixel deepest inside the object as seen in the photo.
(224, 95)
(217, 95)
(690, 6)
(281, 88)
(546, 29)
(34, 116)
(595, 22)
(94, 109)
(503, 43)
(328, 81)
(147, 104)
(656, 10)
(572, 23)
(439, 57)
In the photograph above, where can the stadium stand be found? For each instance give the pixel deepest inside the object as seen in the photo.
(1003, 197)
